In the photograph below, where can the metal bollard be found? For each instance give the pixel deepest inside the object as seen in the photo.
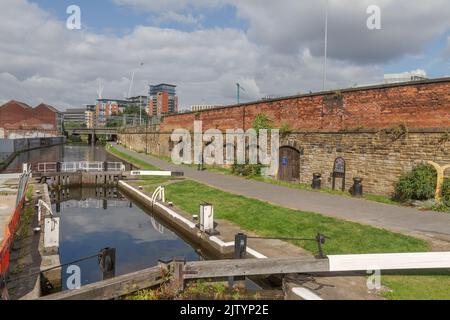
(357, 189)
(240, 246)
(107, 262)
(317, 181)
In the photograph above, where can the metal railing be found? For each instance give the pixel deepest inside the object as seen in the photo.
(85, 166)
(46, 167)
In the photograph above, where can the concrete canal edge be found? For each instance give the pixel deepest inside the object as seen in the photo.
(187, 228)
(49, 244)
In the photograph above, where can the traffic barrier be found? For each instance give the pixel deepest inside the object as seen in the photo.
(5, 245)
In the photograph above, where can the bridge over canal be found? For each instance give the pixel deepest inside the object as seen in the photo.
(92, 133)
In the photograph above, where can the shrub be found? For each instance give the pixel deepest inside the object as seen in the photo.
(446, 192)
(419, 184)
(246, 170)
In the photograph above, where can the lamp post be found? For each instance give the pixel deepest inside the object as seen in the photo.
(239, 88)
(326, 47)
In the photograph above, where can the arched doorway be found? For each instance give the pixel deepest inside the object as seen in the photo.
(289, 166)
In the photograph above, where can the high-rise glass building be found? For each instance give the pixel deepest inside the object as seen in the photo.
(162, 99)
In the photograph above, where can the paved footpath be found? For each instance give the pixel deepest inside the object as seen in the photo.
(397, 218)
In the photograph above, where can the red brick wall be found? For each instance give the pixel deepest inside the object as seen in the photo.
(424, 104)
(46, 116)
(12, 112)
(16, 116)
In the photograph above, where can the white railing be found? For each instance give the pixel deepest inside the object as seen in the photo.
(116, 166)
(86, 166)
(91, 166)
(46, 167)
(69, 166)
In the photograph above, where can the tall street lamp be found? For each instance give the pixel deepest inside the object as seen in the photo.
(326, 47)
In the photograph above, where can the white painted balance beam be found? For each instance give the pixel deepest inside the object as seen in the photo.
(156, 173)
(389, 261)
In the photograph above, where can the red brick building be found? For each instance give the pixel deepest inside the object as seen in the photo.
(17, 120)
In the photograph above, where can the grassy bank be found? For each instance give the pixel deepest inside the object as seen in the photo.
(270, 220)
(417, 285)
(136, 162)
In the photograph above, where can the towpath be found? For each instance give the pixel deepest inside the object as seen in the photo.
(426, 224)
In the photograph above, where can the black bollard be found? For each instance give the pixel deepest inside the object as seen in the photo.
(107, 262)
(240, 246)
(317, 181)
(240, 252)
(357, 189)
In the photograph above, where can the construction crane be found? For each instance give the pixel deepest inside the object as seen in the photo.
(132, 80)
(100, 88)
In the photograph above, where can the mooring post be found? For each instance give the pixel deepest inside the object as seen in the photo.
(107, 262)
(164, 264)
(240, 246)
(320, 238)
(58, 170)
(240, 252)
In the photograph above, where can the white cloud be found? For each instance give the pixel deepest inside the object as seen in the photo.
(162, 5)
(280, 54)
(288, 26)
(184, 19)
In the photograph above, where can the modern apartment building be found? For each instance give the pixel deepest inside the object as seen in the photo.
(416, 75)
(75, 117)
(139, 101)
(162, 99)
(106, 108)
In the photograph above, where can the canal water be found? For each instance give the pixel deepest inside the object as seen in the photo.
(96, 218)
(62, 153)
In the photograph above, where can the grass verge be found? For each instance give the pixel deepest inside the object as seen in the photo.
(417, 285)
(137, 162)
(270, 220)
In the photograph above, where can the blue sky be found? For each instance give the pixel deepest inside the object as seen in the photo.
(106, 16)
(272, 48)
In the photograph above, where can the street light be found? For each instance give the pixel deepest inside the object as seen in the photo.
(326, 47)
(239, 88)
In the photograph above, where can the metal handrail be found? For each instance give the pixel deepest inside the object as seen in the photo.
(87, 166)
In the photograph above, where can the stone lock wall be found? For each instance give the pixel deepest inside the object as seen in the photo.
(379, 157)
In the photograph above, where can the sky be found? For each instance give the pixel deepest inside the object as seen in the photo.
(205, 47)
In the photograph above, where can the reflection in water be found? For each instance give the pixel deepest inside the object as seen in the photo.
(62, 153)
(92, 219)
